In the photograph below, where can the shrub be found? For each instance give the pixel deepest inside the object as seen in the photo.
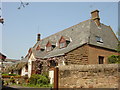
(12, 74)
(43, 80)
(37, 79)
(114, 59)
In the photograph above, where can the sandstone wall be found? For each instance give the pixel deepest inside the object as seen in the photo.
(95, 52)
(89, 76)
(78, 56)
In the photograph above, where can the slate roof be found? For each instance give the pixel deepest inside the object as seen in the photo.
(82, 33)
(11, 60)
(17, 65)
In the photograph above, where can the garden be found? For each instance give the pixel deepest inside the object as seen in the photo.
(36, 80)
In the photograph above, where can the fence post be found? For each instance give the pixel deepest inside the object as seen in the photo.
(56, 76)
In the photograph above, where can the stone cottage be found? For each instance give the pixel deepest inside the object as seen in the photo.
(88, 42)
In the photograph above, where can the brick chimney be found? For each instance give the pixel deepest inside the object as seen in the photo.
(95, 17)
(38, 37)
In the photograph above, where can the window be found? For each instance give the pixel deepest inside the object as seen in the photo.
(64, 41)
(100, 59)
(49, 48)
(62, 45)
(26, 68)
(99, 39)
(52, 63)
(42, 49)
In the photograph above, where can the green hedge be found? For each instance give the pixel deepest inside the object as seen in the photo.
(40, 80)
(9, 74)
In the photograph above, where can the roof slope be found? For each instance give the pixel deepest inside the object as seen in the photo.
(110, 41)
(82, 33)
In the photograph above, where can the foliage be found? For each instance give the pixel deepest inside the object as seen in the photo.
(118, 49)
(9, 74)
(37, 85)
(12, 79)
(46, 74)
(12, 74)
(114, 59)
(40, 80)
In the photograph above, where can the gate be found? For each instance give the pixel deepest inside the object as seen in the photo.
(54, 76)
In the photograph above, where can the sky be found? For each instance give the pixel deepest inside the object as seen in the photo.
(19, 32)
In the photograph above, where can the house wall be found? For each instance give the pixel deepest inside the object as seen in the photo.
(88, 54)
(30, 65)
(95, 52)
(23, 71)
(78, 56)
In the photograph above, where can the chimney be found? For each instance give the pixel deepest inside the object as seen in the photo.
(95, 17)
(38, 37)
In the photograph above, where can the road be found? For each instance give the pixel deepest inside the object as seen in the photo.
(22, 88)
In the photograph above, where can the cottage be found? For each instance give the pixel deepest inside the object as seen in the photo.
(19, 67)
(2, 59)
(88, 42)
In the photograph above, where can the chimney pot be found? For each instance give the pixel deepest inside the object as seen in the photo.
(95, 17)
(38, 37)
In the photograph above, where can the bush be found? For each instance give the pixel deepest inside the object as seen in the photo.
(12, 74)
(37, 79)
(9, 74)
(43, 80)
(114, 59)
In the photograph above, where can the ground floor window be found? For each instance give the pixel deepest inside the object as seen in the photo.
(101, 60)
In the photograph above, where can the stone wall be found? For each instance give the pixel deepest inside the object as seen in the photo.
(89, 76)
(78, 56)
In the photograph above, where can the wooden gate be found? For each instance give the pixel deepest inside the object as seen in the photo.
(56, 77)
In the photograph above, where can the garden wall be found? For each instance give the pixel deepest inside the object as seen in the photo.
(89, 76)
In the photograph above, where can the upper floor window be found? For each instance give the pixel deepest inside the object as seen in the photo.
(63, 42)
(50, 46)
(40, 48)
(48, 49)
(99, 39)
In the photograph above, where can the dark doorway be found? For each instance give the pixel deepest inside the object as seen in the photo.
(101, 59)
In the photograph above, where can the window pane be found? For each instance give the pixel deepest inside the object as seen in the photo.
(49, 48)
(99, 39)
(62, 45)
